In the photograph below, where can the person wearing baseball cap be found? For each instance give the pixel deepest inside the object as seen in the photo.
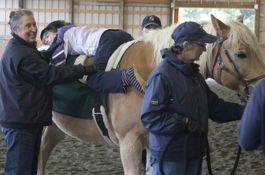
(151, 22)
(64, 38)
(186, 37)
(178, 103)
(53, 27)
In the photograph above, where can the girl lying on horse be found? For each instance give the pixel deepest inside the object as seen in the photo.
(99, 43)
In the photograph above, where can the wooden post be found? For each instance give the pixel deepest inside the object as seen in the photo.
(121, 18)
(175, 15)
(71, 5)
(257, 18)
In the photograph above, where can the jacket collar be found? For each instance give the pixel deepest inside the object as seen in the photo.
(23, 42)
(186, 69)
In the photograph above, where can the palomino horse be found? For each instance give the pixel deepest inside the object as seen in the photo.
(234, 61)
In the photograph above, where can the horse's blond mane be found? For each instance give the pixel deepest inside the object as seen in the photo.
(159, 39)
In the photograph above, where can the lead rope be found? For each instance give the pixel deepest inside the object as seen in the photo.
(236, 161)
(161, 168)
(208, 157)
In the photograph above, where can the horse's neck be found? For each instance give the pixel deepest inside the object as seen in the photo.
(203, 65)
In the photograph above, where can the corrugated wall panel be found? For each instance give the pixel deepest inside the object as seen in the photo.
(262, 23)
(126, 15)
(6, 6)
(46, 11)
(97, 14)
(216, 3)
(109, 14)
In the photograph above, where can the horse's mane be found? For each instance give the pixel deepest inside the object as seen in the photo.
(159, 39)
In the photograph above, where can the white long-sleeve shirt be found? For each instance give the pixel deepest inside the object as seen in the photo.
(83, 40)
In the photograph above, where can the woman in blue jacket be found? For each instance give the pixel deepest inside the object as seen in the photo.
(177, 104)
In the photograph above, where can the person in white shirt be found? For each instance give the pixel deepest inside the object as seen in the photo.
(98, 43)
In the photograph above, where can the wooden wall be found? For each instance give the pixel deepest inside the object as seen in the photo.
(124, 14)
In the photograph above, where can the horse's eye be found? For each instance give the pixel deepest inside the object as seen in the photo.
(241, 55)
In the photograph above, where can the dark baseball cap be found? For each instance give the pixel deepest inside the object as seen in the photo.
(151, 20)
(191, 31)
(53, 26)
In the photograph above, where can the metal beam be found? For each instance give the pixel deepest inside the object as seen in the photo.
(214, 4)
(20, 4)
(121, 16)
(257, 18)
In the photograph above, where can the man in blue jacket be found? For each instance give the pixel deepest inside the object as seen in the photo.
(26, 80)
(178, 103)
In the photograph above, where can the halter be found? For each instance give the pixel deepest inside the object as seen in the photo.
(218, 63)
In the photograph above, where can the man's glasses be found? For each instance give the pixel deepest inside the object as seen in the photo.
(199, 43)
(152, 27)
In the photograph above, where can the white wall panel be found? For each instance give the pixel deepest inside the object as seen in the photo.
(46, 11)
(6, 6)
(97, 14)
(111, 14)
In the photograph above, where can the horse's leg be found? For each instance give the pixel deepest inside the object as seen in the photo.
(131, 147)
(51, 136)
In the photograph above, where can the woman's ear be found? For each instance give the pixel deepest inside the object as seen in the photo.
(15, 30)
(186, 45)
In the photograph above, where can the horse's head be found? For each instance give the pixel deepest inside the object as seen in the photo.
(235, 61)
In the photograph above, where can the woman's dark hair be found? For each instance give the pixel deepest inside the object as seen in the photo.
(177, 48)
(14, 17)
(53, 27)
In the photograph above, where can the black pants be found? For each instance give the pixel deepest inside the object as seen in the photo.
(108, 43)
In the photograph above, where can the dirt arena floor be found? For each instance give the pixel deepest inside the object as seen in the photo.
(72, 157)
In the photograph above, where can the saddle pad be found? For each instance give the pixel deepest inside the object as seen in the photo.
(116, 56)
(76, 99)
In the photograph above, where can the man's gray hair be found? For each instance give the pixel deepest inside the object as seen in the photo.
(14, 17)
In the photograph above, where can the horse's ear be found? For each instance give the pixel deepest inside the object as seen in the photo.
(221, 29)
(240, 18)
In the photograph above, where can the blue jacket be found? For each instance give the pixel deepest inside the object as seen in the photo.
(176, 90)
(251, 132)
(26, 81)
(58, 56)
